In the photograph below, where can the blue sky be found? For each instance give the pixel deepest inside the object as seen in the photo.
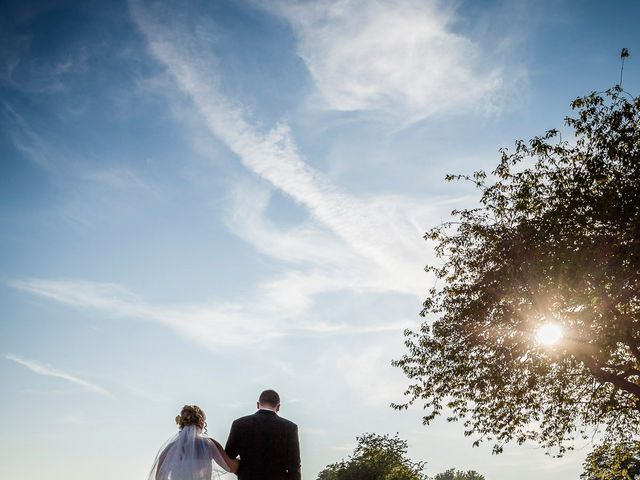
(202, 201)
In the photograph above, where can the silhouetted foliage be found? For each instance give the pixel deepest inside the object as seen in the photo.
(453, 474)
(555, 238)
(376, 457)
(613, 461)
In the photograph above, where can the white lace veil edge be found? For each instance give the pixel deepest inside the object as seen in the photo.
(188, 455)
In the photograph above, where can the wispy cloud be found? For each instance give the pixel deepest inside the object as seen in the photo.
(212, 326)
(369, 373)
(349, 243)
(25, 139)
(49, 155)
(252, 324)
(399, 57)
(48, 74)
(95, 191)
(118, 178)
(384, 232)
(48, 371)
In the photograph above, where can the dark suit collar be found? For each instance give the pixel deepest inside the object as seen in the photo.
(265, 412)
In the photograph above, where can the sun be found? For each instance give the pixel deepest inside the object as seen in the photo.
(549, 334)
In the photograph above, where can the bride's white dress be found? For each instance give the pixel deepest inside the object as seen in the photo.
(188, 455)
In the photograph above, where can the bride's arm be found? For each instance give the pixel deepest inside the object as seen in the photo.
(232, 463)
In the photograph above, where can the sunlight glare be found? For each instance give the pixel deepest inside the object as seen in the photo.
(549, 334)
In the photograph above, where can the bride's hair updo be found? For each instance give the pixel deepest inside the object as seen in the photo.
(191, 415)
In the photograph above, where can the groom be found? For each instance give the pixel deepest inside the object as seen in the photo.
(267, 444)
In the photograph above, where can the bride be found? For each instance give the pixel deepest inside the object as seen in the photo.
(189, 455)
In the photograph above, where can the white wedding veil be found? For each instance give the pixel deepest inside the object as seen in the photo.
(188, 455)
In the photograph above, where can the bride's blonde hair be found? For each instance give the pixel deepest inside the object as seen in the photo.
(191, 415)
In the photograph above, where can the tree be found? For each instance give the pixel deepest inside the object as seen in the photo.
(613, 461)
(376, 457)
(453, 474)
(554, 240)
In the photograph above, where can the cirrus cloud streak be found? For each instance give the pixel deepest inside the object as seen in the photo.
(49, 371)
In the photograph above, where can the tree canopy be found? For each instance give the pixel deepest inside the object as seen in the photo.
(376, 457)
(613, 461)
(555, 241)
(453, 474)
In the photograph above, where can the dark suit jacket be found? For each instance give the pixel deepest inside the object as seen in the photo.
(268, 447)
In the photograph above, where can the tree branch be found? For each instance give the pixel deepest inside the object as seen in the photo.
(633, 346)
(617, 380)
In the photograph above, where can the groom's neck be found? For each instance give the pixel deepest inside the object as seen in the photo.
(268, 407)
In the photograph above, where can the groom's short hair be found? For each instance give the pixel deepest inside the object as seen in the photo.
(269, 397)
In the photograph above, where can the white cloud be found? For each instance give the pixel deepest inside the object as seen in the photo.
(367, 371)
(274, 311)
(305, 244)
(349, 243)
(55, 157)
(380, 231)
(400, 57)
(117, 178)
(26, 139)
(209, 325)
(48, 371)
